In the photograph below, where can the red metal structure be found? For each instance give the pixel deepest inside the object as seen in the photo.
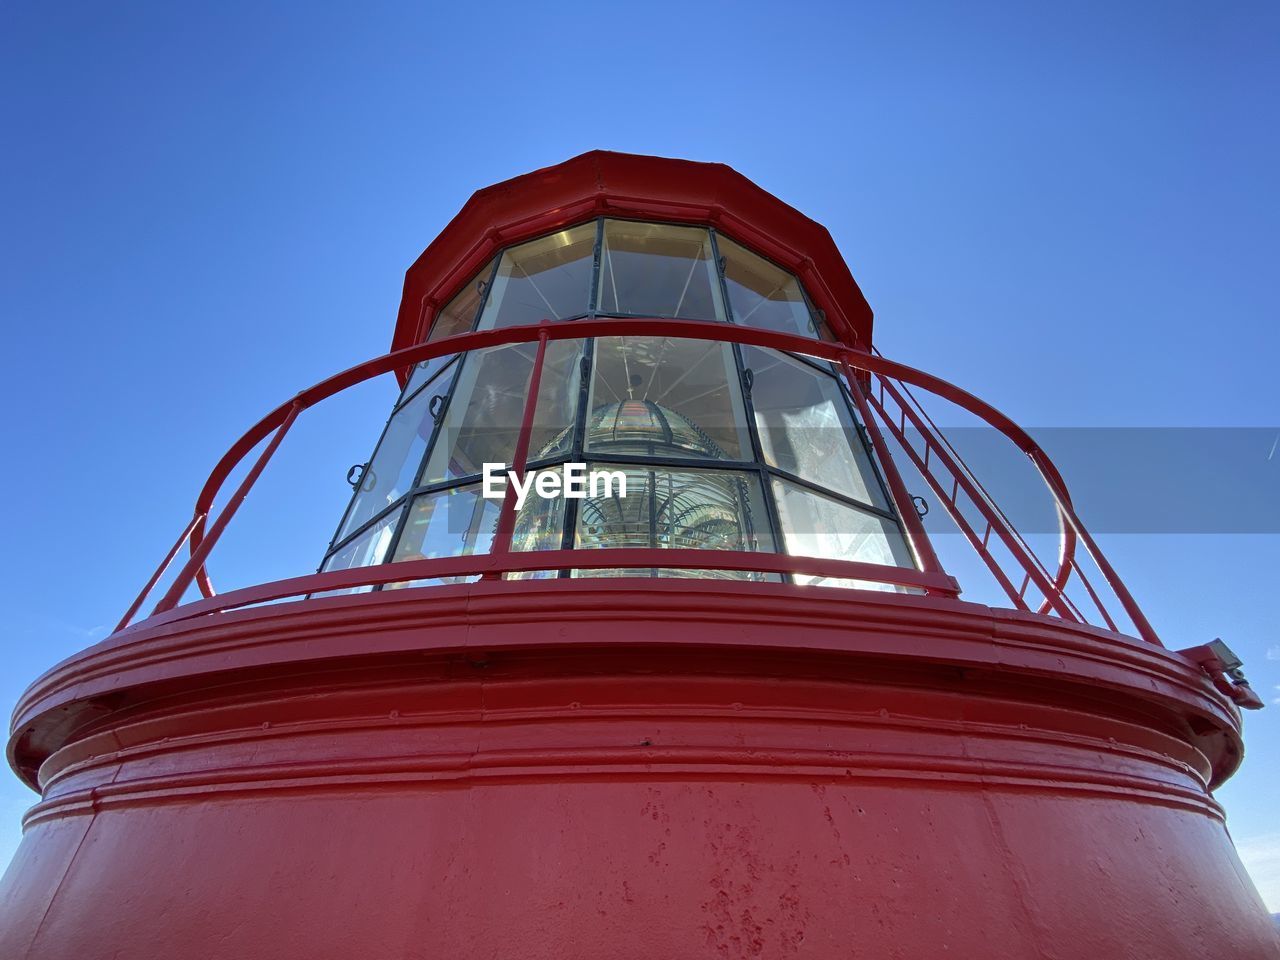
(750, 717)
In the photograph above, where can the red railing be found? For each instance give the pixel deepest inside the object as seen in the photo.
(860, 369)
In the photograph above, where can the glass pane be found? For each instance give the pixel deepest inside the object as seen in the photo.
(675, 509)
(484, 416)
(364, 551)
(426, 371)
(663, 397)
(676, 573)
(806, 428)
(653, 269)
(540, 522)
(558, 392)
(394, 467)
(544, 279)
(448, 523)
(817, 526)
(539, 526)
(459, 314)
(762, 294)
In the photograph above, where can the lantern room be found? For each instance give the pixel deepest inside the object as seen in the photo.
(724, 446)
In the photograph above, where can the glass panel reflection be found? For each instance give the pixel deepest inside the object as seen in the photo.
(806, 428)
(482, 423)
(676, 509)
(394, 467)
(426, 371)
(483, 418)
(558, 392)
(459, 314)
(664, 397)
(544, 279)
(448, 523)
(539, 526)
(366, 550)
(818, 526)
(654, 269)
(762, 294)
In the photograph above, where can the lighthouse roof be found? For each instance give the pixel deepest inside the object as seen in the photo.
(602, 183)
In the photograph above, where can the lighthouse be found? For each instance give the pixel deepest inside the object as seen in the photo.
(631, 642)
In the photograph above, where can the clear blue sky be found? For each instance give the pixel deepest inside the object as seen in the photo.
(1070, 208)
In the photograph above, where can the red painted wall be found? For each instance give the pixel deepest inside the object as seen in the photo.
(694, 769)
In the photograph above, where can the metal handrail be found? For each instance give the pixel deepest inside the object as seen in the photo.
(1066, 535)
(502, 559)
(439, 568)
(964, 481)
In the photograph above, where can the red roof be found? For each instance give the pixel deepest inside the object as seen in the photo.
(601, 183)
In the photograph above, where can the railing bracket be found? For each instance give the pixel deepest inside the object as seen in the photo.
(1225, 669)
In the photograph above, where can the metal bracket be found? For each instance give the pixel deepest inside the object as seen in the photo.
(439, 403)
(1225, 670)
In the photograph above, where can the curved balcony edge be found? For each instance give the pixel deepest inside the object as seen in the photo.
(905, 640)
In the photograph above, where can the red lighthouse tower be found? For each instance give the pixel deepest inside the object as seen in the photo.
(738, 709)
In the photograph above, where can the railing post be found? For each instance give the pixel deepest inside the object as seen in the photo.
(1131, 608)
(196, 562)
(520, 459)
(155, 577)
(906, 506)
